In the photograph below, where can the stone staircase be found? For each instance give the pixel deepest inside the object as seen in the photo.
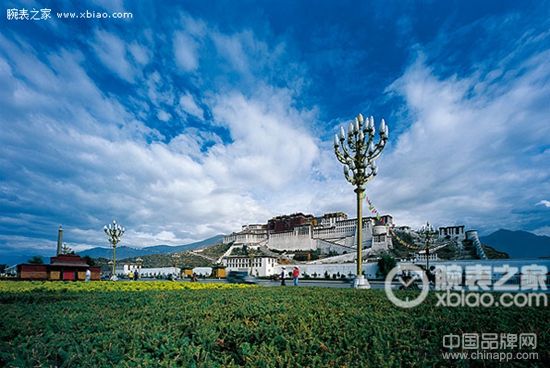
(469, 251)
(327, 246)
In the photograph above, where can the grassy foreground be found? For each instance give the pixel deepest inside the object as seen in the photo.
(168, 324)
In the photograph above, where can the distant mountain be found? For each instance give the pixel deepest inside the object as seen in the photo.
(518, 244)
(15, 256)
(129, 252)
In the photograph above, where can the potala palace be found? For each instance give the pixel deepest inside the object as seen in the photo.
(263, 248)
(332, 232)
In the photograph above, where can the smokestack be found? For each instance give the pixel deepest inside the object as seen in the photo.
(59, 240)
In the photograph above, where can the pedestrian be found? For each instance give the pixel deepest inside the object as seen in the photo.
(283, 277)
(88, 275)
(194, 277)
(136, 275)
(295, 275)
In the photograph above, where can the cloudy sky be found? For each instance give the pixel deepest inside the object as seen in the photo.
(192, 118)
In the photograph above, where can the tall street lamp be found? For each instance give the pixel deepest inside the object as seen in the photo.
(114, 234)
(357, 151)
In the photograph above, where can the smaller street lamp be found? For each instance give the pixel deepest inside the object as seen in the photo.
(139, 263)
(175, 260)
(428, 233)
(114, 234)
(110, 263)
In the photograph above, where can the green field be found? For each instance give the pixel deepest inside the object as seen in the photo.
(207, 326)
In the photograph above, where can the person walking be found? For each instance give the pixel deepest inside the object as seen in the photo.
(88, 275)
(283, 277)
(136, 275)
(295, 275)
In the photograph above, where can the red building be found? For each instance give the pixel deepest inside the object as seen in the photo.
(289, 222)
(67, 267)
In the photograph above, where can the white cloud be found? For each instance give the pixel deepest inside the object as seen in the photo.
(111, 50)
(544, 203)
(271, 148)
(139, 53)
(188, 105)
(163, 115)
(185, 52)
(545, 231)
(232, 49)
(159, 91)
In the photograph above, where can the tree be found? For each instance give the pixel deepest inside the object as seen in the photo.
(385, 264)
(36, 260)
(89, 260)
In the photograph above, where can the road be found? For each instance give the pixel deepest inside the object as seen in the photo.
(302, 283)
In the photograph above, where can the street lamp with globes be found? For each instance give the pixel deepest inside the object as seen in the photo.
(114, 234)
(357, 151)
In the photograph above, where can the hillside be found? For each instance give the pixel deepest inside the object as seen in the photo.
(202, 258)
(518, 244)
(215, 251)
(128, 252)
(186, 259)
(493, 253)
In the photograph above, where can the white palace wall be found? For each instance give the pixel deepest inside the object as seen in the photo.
(298, 239)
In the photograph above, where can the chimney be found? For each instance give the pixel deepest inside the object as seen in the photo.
(59, 240)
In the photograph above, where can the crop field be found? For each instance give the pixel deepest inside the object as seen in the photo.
(170, 324)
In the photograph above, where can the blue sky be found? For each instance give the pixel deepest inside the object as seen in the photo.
(195, 117)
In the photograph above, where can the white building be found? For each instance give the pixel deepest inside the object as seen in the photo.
(203, 271)
(127, 268)
(163, 271)
(250, 234)
(420, 257)
(452, 232)
(260, 266)
(330, 219)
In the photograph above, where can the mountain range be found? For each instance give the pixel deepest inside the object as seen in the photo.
(519, 244)
(128, 252)
(11, 257)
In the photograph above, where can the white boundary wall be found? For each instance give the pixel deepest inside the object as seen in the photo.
(369, 269)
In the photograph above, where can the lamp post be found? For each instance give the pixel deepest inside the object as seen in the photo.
(248, 253)
(139, 263)
(357, 151)
(427, 231)
(114, 233)
(175, 260)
